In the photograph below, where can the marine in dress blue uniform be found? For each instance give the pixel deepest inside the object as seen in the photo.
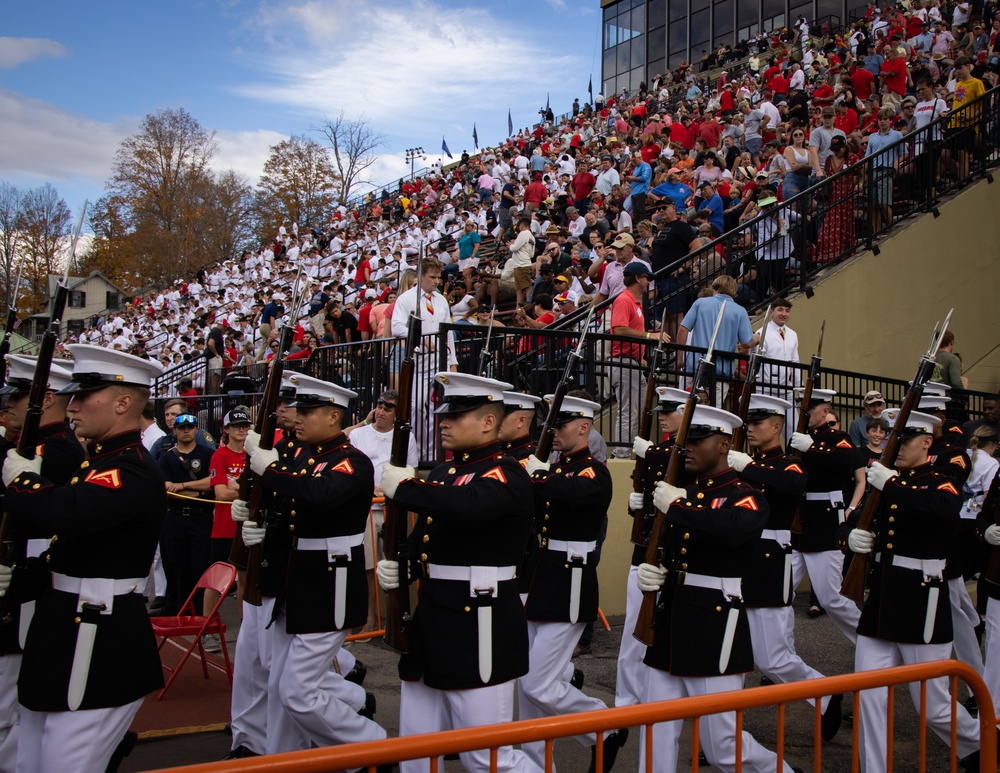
(701, 642)
(516, 441)
(630, 679)
(468, 635)
(90, 655)
(767, 583)
(572, 496)
(828, 455)
(906, 617)
(329, 495)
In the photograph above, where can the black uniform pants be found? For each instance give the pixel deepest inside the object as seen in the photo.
(187, 544)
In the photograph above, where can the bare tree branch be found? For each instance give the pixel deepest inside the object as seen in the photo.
(354, 143)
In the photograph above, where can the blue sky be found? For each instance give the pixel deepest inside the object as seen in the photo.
(76, 78)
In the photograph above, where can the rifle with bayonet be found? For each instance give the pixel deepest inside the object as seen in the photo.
(644, 623)
(9, 328)
(394, 525)
(250, 489)
(28, 439)
(853, 586)
(544, 447)
(802, 424)
(484, 355)
(645, 425)
(753, 365)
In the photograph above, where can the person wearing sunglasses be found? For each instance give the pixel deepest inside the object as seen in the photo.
(90, 655)
(373, 438)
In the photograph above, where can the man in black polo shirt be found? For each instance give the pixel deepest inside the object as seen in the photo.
(673, 241)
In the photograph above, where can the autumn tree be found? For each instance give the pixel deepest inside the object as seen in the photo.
(227, 219)
(353, 143)
(299, 184)
(11, 208)
(162, 183)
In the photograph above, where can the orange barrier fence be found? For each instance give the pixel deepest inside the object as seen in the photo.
(433, 745)
(378, 632)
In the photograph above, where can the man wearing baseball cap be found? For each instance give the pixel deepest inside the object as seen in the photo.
(90, 656)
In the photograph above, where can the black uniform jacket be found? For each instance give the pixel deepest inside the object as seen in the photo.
(711, 532)
(830, 464)
(988, 516)
(104, 524)
(473, 511)
(917, 514)
(781, 479)
(61, 455)
(654, 470)
(571, 503)
(520, 449)
(273, 575)
(330, 495)
(951, 460)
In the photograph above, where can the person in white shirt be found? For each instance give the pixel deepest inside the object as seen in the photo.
(373, 438)
(780, 342)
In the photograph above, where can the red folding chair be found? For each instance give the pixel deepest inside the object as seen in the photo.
(219, 577)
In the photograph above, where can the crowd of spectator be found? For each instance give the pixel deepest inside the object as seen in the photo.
(549, 220)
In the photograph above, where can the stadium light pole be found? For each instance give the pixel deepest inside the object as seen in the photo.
(412, 154)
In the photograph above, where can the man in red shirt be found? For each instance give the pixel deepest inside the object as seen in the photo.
(710, 131)
(863, 82)
(628, 372)
(536, 192)
(583, 183)
(894, 75)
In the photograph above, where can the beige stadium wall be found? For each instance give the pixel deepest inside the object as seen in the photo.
(880, 311)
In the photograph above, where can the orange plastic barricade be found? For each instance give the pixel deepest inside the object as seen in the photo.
(371, 754)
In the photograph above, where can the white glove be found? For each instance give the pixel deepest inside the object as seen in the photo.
(535, 464)
(800, 442)
(6, 572)
(738, 460)
(665, 495)
(640, 446)
(877, 475)
(240, 511)
(651, 578)
(392, 476)
(252, 443)
(992, 534)
(388, 574)
(15, 464)
(860, 541)
(261, 459)
(636, 501)
(252, 533)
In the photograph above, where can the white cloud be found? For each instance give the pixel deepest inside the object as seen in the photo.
(15, 51)
(43, 143)
(408, 69)
(559, 5)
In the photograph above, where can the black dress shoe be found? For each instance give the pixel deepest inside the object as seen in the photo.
(368, 710)
(612, 745)
(832, 717)
(815, 611)
(577, 679)
(766, 681)
(240, 752)
(357, 674)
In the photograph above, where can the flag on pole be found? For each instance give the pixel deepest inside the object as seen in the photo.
(547, 108)
(475, 137)
(510, 123)
(444, 148)
(590, 88)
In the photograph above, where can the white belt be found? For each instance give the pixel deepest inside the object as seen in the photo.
(470, 573)
(729, 586)
(782, 536)
(833, 497)
(97, 590)
(483, 581)
(37, 546)
(335, 546)
(573, 549)
(932, 568)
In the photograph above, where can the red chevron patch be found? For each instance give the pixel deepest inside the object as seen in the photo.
(958, 461)
(106, 478)
(795, 467)
(588, 473)
(495, 474)
(949, 487)
(343, 466)
(845, 443)
(747, 503)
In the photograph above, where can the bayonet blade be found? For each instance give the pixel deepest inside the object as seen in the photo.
(822, 332)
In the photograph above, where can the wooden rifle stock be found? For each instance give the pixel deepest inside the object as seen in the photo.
(394, 526)
(753, 365)
(251, 490)
(645, 426)
(853, 586)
